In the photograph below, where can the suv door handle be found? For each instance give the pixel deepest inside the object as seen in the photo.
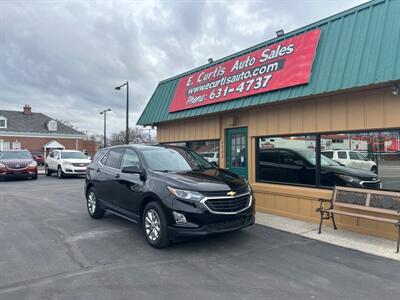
(117, 176)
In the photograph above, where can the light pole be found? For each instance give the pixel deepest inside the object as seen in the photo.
(127, 110)
(104, 112)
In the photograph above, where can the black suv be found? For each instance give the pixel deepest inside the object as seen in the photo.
(298, 167)
(171, 191)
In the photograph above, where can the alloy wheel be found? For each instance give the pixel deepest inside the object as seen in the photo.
(152, 225)
(91, 203)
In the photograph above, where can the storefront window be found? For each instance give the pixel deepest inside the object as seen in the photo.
(371, 159)
(287, 160)
(362, 160)
(208, 149)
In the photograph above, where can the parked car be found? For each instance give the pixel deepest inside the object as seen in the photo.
(17, 163)
(298, 167)
(211, 157)
(171, 191)
(352, 159)
(66, 162)
(39, 159)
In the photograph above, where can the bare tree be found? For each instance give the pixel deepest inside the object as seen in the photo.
(135, 137)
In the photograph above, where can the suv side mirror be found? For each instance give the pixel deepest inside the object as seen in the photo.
(56, 157)
(133, 170)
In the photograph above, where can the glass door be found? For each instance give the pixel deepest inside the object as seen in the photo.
(236, 151)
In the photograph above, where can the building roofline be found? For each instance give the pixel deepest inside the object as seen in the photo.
(278, 39)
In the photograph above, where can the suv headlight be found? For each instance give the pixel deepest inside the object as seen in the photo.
(348, 178)
(67, 163)
(187, 195)
(2, 165)
(33, 164)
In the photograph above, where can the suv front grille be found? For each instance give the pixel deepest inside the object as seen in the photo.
(229, 205)
(239, 191)
(80, 164)
(221, 226)
(16, 165)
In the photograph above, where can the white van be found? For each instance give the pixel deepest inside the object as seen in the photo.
(351, 159)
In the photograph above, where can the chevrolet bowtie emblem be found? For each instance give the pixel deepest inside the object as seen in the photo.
(231, 193)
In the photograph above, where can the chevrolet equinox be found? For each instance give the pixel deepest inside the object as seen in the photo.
(171, 191)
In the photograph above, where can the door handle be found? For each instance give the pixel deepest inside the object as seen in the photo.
(117, 176)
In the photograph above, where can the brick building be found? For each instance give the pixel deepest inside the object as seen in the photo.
(39, 133)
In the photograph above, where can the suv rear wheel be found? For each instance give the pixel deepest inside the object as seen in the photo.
(154, 225)
(93, 207)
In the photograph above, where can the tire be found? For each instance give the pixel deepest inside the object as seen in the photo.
(47, 171)
(93, 205)
(374, 170)
(153, 217)
(60, 173)
(34, 177)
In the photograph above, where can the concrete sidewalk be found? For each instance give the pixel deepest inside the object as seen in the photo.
(343, 238)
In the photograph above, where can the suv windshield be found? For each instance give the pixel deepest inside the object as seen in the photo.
(325, 161)
(73, 155)
(15, 155)
(174, 160)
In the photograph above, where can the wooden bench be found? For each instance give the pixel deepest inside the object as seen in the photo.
(363, 200)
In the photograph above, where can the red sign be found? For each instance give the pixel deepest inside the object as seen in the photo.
(273, 67)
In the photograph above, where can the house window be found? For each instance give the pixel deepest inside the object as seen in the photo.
(6, 145)
(52, 125)
(16, 145)
(3, 122)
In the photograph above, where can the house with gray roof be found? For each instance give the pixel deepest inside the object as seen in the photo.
(38, 132)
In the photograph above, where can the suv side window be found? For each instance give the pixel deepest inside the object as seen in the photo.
(342, 155)
(99, 154)
(269, 156)
(114, 158)
(353, 155)
(328, 154)
(130, 159)
(286, 158)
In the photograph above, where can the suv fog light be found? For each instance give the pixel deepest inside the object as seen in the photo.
(179, 218)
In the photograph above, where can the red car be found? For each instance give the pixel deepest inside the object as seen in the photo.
(17, 163)
(39, 159)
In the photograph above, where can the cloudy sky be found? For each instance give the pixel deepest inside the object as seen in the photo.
(64, 58)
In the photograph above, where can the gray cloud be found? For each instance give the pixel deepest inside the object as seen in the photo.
(65, 57)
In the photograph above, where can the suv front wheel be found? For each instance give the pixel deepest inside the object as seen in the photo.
(60, 173)
(93, 205)
(154, 225)
(47, 170)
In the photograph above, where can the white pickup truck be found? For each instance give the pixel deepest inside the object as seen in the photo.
(352, 159)
(66, 162)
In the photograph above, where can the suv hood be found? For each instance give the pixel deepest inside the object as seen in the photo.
(77, 160)
(208, 180)
(358, 173)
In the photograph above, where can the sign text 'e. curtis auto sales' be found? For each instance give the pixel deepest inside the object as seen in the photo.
(284, 64)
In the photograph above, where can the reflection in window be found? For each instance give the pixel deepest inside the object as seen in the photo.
(362, 160)
(368, 154)
(287, 160)
(209, 149)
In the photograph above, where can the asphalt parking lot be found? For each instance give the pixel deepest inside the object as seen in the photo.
(51, 249)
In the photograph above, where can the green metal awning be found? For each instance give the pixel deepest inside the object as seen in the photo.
(358, 47)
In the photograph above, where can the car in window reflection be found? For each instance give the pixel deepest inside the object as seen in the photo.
(211, 157)
(353, 159)
(299, 167)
